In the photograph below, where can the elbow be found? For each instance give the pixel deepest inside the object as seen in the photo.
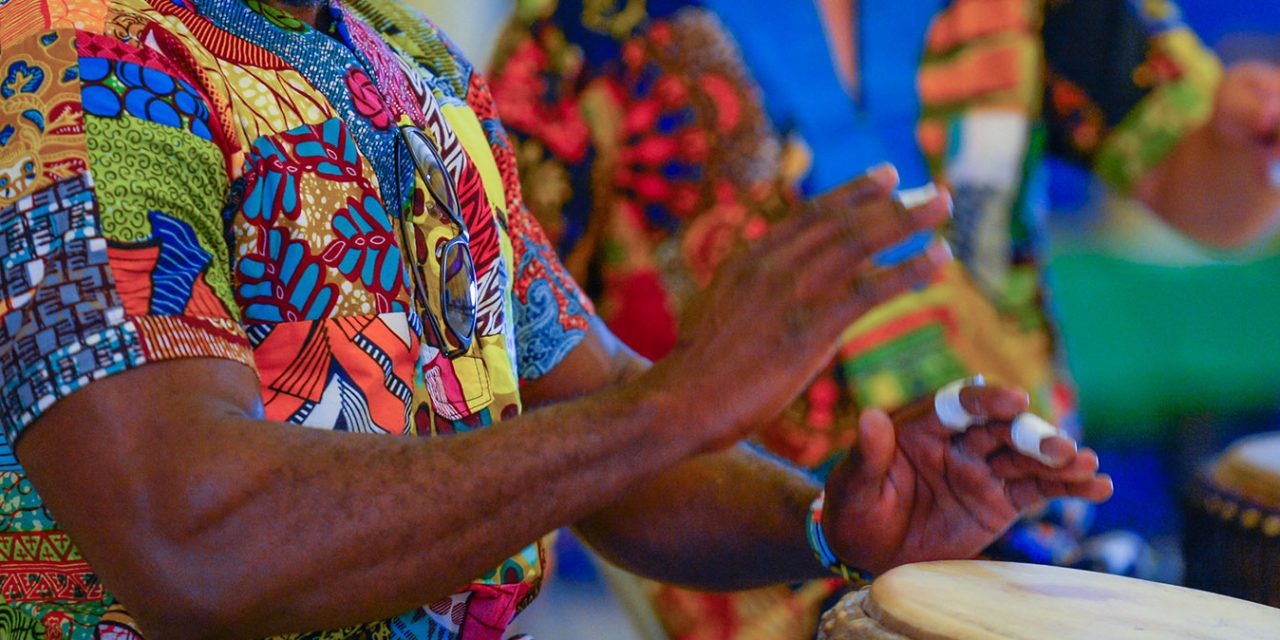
(176, 591)
(184, 574)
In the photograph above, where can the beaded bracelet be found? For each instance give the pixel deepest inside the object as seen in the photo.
(822, 550)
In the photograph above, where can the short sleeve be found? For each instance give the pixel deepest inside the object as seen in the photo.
(114, 250)
(1127, 81)
(551, 313)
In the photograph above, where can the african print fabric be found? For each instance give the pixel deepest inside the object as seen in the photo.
(215, 179)
(655, 136)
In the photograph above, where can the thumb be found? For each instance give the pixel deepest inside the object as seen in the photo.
(877, 442)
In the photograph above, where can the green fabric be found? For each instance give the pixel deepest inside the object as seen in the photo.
(1149, 344)
(141, 166)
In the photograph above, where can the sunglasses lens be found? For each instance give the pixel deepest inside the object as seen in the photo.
(431, 168)
(459, 292)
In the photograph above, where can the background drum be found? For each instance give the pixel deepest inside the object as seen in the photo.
(973, 600)
(1232, 540)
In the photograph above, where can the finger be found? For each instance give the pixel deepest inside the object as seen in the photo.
(856, 293)
(1025, 495)
(958, 408)
(877, 442)
(993, 403)
(819, 220)
(879, 224)
(1031, 494)
(984, 441)
(1038, 438)
(878, 181)
(947, 407)
(1011, 465)
(1097, 489)
(860, 229)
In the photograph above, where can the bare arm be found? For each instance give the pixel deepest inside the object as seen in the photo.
(204, 517)
(1216, 186)
(206, 520)
(733, 519)
(723, 521)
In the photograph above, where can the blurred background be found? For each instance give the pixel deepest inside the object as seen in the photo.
(1175, 350)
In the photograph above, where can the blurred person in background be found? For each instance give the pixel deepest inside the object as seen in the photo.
(655, 136)
(1193, 377)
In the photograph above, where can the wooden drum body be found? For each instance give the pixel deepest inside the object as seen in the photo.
(1232, 538)
(973, 600)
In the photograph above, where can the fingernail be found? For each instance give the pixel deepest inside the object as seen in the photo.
(919, 196)
(940, 252)
(937, 255)
(887, 171)
(1030, 432)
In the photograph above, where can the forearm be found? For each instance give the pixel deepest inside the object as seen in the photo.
(729, 520)
(247, 528)
(1212, 192)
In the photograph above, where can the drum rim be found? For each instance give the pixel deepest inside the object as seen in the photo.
(889, 617)
(1232, 507)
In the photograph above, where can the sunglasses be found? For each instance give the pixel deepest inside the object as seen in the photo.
(454, 327)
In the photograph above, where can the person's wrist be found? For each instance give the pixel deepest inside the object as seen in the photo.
(821, 548)
(703, 426)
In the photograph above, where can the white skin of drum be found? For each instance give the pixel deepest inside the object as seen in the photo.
(971, 600)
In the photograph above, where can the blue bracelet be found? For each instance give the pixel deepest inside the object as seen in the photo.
(822, 550)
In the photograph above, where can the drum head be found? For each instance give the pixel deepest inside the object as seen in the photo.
(1251, 468)
(971, 600)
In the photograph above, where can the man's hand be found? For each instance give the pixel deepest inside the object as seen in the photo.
(913, 490)
(1220, 185)
(773, 314)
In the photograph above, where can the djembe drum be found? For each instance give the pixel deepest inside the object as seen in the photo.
(1232, 537)
(975, 600)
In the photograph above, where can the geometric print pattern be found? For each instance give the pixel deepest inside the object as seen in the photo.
(61, 322)
(63, 574)
(348, 374)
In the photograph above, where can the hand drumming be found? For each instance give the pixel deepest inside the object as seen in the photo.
(915, 489)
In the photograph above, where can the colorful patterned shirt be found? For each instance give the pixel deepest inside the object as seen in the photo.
(215, 179)
(655, 136)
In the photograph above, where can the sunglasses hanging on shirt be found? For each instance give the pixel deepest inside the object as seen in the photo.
(454, 326)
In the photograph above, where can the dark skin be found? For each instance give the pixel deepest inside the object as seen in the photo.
(223, 524)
